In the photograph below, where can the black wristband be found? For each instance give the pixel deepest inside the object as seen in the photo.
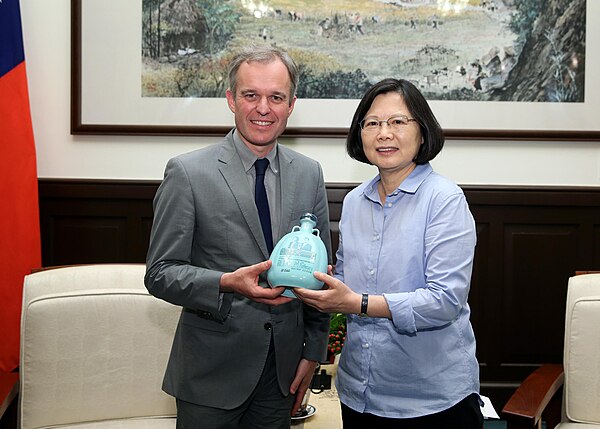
(364, 304)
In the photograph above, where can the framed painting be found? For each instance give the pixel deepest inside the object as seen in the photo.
(159, 67)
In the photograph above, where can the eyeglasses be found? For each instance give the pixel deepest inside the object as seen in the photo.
(396, 123)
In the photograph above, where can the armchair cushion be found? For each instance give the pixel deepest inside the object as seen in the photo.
(94, 347)
(582, 373)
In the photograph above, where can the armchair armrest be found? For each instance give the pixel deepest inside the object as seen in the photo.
(539, 395)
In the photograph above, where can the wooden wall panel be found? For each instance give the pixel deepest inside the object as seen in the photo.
(542, 257)
(92, 238)
(530, 241)
(534, 240)
(95, 221)
(480, 292)
(595, 250)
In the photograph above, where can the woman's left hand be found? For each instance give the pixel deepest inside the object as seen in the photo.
(335, 298)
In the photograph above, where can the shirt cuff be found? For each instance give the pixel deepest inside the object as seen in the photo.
(402, 312)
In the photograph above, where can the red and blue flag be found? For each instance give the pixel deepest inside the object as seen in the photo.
(19, 209)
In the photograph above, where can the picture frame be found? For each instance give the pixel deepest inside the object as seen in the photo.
(106, 96)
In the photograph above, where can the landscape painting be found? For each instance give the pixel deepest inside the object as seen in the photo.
(460, 50)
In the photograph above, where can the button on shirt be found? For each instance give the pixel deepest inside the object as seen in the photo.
(416, 249)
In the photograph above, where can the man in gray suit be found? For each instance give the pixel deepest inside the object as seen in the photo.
(243, 355)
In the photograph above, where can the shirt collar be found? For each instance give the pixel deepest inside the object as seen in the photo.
(410, 185)
(248, 157)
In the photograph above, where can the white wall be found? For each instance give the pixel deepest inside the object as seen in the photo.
(46, 27)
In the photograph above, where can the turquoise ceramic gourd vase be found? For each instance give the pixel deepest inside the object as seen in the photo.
(297, 256)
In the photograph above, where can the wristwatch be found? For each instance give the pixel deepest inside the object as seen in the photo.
(364, 303)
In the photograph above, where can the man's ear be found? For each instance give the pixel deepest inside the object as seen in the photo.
(292, 104)
(230, 100)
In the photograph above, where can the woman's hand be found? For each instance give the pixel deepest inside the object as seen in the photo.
(336, 297)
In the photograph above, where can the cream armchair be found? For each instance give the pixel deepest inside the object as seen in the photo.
(539, 397)
(94, 347)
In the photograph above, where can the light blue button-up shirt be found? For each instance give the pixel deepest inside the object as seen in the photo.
(417, 251)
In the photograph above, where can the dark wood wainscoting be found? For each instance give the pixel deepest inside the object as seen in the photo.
(530, 241)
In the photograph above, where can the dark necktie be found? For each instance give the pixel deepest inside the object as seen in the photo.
(262, 203)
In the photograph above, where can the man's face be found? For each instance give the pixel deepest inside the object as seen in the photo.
(261, 104)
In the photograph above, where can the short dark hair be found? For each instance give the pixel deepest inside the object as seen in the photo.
(433, 136)
(264, 55)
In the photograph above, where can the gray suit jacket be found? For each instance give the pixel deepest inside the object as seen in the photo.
(206, 223)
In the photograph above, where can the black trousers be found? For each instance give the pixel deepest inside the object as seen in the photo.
(464, 415)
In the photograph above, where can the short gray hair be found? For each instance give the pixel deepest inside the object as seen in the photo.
(265, 55)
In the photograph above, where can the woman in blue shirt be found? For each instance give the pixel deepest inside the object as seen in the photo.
(404, 262)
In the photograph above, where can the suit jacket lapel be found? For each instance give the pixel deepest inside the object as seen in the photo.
(233, 172)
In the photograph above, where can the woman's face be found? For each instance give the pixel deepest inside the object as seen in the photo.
(391, 149)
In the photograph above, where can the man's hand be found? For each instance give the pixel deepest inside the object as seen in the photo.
(244, 281)
(304, 375)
